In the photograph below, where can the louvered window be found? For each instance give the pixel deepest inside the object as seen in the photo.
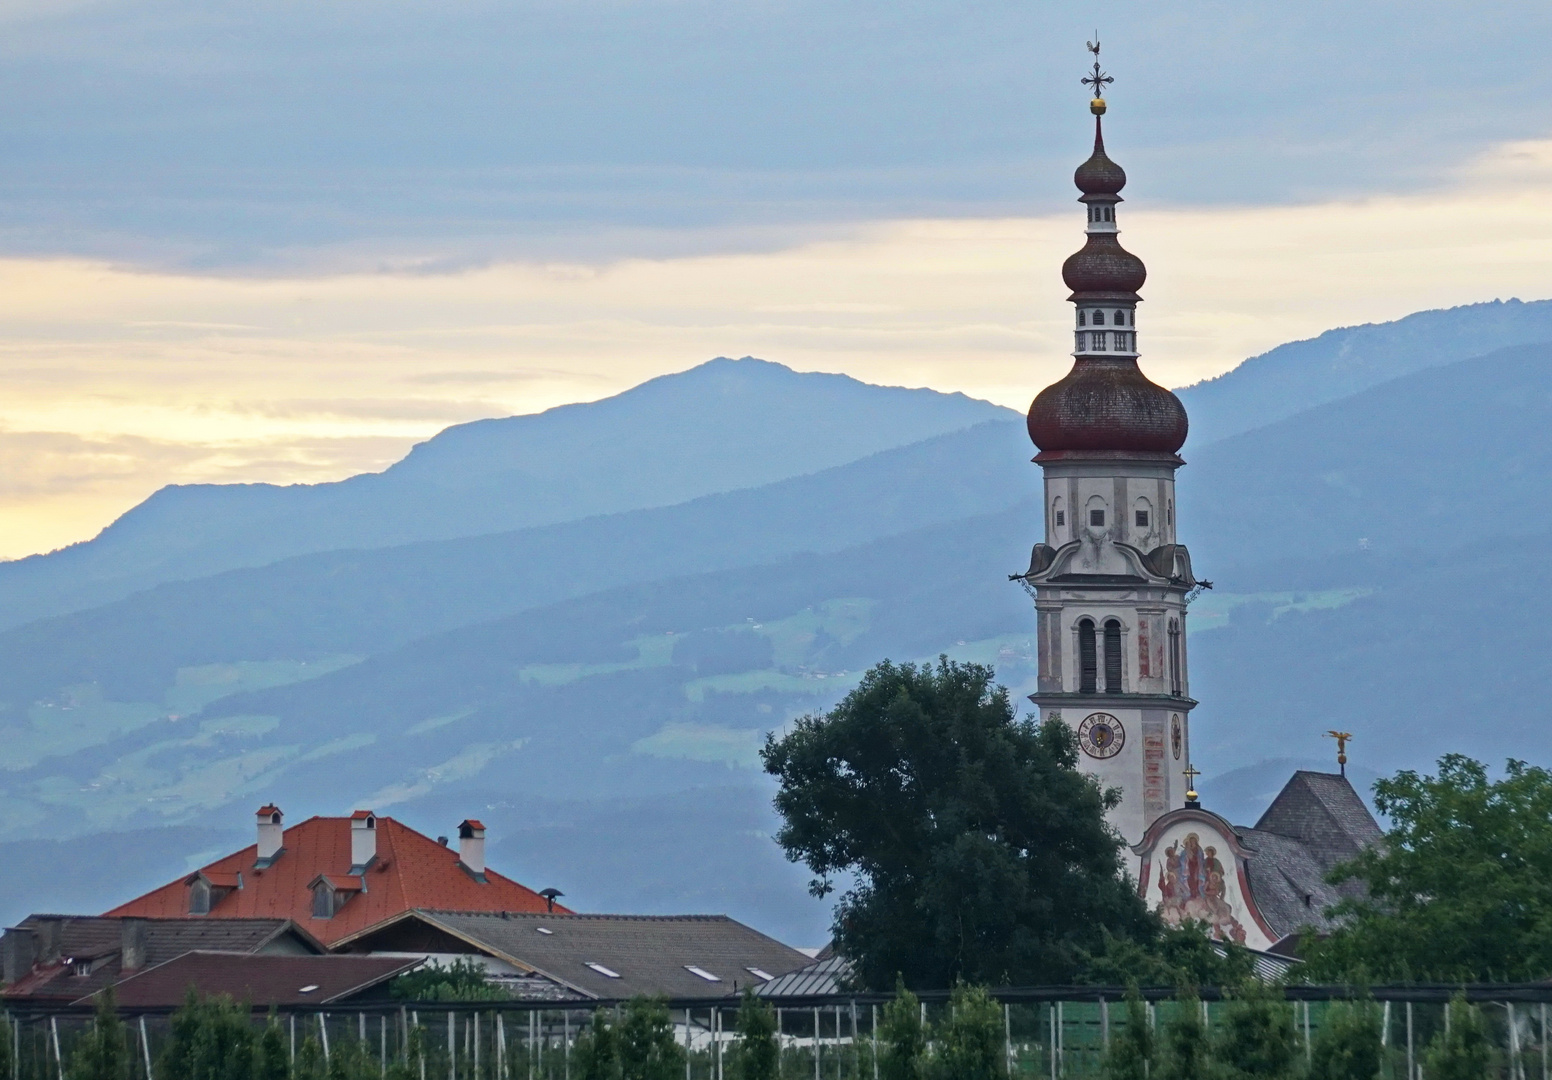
(1088, 660)
(1112, 657)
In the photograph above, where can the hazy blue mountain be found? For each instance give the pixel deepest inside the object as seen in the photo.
(1430, 461)
(723, 425)
(1293, 377)
(277, 619)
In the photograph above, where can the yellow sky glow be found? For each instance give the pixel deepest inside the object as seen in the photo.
(114, 382)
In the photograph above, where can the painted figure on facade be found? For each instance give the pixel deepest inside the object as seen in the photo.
(1193, 887)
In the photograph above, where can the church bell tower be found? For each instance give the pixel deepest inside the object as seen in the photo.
(1109, 580)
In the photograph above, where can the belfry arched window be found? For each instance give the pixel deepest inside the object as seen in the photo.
(1099, 318)
(1112, 657)
(1174, 657)
(1088, 658)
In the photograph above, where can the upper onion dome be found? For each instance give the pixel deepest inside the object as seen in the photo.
(1099, 175)
(1107, 403)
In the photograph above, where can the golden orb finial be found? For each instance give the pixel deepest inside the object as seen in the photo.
(1097, 106)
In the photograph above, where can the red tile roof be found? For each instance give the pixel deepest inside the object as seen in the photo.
(260, 980)
(411, 871)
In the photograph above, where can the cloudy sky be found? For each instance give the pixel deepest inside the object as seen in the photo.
(283, 241)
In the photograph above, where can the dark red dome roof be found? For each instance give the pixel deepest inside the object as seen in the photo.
(1107, 403)
(1103, 270)
(1099, 175)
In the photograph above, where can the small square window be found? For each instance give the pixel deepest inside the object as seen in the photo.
(1097, 518)
(1142, 519)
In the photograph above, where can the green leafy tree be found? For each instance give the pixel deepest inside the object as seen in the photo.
(645, 1041)
(412, 1065)
(1348, 1045)
(103, 1053)
(1187, 956)
(594, 1057)
(1131, 1052)
(1461, 890)
(903, 1037)
(350, 1059)
(1253, 1038)
(6, 1036)
(756, 1054)
(970, 1040)
(979, 850)
(212, 1038)
(1463, 1049)
(1182, 1051)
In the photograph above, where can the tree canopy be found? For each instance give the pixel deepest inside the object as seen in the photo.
(1461, 889)
(976, 848)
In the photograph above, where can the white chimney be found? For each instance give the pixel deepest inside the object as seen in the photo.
(471, 847)
(271, 834)
(363, 840)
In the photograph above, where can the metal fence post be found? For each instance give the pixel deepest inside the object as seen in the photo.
(875, 1038)
(1309, 1051)
(1007, 1036)
(1515, 1070)
(452, 1045)
(1411, 1071)
(145, 1048)
(816, 1042)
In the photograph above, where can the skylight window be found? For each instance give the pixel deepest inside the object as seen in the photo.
(309, 988)
(760, 973)
(702, 972)
(544, 930)
(605, 972)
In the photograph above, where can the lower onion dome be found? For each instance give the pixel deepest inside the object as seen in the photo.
(1107, 403)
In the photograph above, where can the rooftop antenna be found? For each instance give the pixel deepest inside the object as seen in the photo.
(1098, 80)
(549, 897)
(1341, 738)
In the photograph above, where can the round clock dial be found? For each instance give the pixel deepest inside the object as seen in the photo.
(1174, 735)
(1101, 735)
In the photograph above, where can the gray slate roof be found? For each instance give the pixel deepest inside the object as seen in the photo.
(649, 953)
(1316, 822)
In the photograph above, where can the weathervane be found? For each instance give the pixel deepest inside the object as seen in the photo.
(1190, 773)
(1099, 80)
(1341, 738)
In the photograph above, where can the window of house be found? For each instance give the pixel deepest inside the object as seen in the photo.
(1142, 519)
(1112, 657)
(1061, 518)
(323, 902)
(1097, 518)
(1174, 658)
(1088, 660)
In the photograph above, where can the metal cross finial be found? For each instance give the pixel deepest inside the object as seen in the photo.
(1341, 738)
(1099, 80)
(1190, 773)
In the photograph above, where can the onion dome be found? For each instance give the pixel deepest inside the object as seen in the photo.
(1108, 404)
(1099, 175)
(1103, 270)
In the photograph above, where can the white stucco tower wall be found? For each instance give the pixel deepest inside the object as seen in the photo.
(1110, 579)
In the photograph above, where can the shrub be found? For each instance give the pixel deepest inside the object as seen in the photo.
(593, 1057)
(1182, 1051)
(103, 1052)
(1463, 1050)
(645, 1041)
(212, 1039)
(756, 1055)
(1348, 1044)
(970, 1039)
(902, 1036)
(1255, 1039)
(1130, 1055)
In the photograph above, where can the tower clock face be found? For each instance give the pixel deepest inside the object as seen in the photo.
(1101, 735)
(1174, 735)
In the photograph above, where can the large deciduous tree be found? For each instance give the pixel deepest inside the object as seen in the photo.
(976, 848)
(1461, 889)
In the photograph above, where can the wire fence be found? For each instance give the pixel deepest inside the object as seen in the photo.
(1047, 1033)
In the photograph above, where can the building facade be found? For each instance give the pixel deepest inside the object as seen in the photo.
(1110, 579)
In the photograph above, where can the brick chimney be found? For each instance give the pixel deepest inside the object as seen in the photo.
(271, 835)
(132, 944)
(363, 840)
(471, 848)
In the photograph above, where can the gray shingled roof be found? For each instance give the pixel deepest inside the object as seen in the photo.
(648, 953)
(1322, 811)
(1288, 883)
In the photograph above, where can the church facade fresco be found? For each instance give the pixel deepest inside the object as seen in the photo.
(1193, 870)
